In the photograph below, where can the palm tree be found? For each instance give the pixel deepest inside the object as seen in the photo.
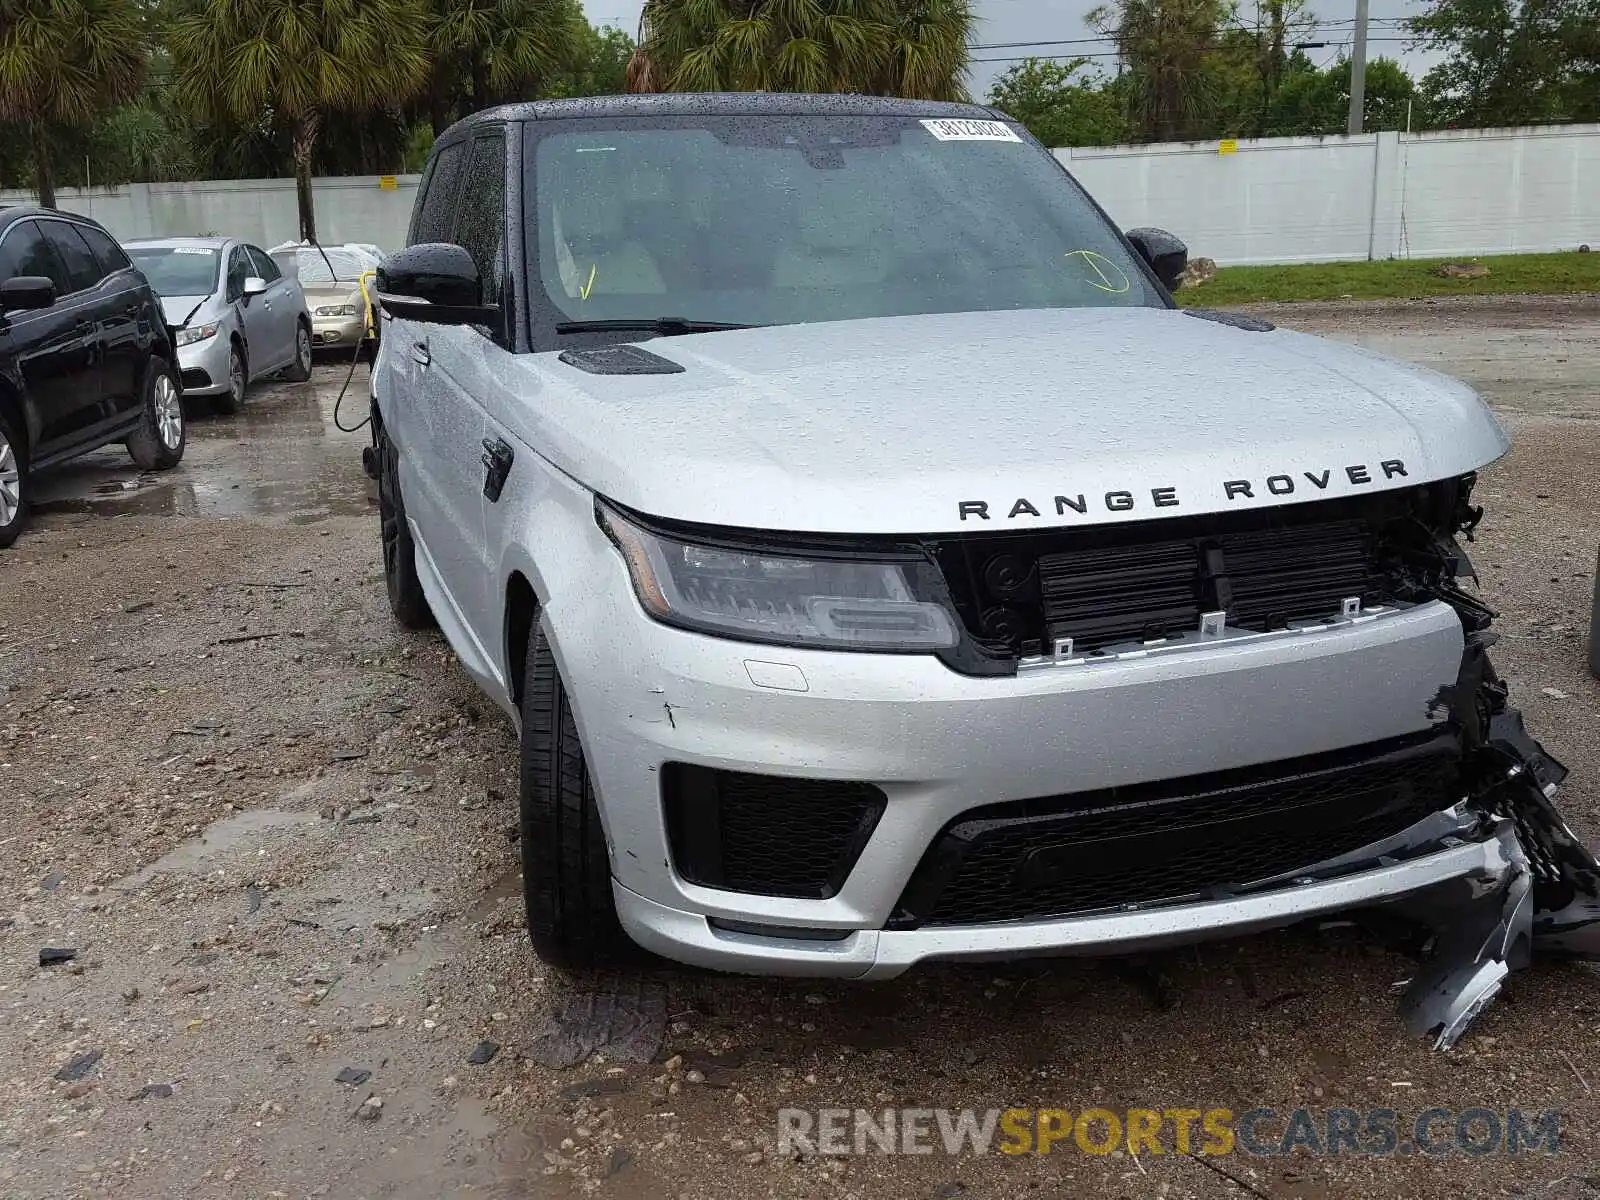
(299, 60)
(499, 50)
(62, 64)
(1165, 44)
(914, 48)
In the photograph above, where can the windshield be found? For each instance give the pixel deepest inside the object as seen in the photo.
(309, 268)
(177, 270)
(777, 220)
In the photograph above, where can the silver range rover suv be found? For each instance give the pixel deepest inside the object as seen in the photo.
(878, 567)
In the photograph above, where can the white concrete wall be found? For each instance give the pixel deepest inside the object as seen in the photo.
(348, 208)
(1476, 191)
(1480, 191)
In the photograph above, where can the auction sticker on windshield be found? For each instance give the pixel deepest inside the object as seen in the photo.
(948, 130)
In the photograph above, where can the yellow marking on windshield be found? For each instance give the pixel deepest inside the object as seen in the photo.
(583, 292)
(1110, 276)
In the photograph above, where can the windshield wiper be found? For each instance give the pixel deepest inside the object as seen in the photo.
(665, 326)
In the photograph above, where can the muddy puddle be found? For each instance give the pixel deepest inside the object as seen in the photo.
(283, 459)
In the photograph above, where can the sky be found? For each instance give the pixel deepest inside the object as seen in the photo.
(1002, 22)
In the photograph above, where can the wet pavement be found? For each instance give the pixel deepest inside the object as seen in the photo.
(283, 459)
(280, 834)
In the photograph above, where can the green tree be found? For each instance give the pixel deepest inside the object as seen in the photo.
(599, 69)
(1165, 46)
(64, 64)
(1512, 62)
(1318, 102)
(299, 60)
(915, 48)
(1059, 105)
(491, 51)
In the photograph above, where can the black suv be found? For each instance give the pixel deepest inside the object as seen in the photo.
(85, 354)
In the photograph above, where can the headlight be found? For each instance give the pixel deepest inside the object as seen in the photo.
(840, 604)
(191, 334)
(337, 310)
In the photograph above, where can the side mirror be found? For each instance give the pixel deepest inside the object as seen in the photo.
(436, 282)
(254, 285)
(1166, 255)
(25, 292)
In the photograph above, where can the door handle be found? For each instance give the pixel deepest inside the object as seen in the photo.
(419, 353)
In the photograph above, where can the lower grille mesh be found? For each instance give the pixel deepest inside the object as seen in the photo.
(766, 834)
(1067, 854)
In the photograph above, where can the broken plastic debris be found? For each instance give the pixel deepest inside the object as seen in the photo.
(49, 956)
(483, 1052)
(160, 1090)
(354, 1076)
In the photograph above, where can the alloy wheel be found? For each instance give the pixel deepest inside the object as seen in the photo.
(302, 348)
(10, 483)
(236, 380)
(168, 412)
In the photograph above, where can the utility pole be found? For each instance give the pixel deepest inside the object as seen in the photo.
(1358, 69)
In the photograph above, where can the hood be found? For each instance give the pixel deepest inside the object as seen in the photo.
(998, 421)
(176, 308)
(332, 293)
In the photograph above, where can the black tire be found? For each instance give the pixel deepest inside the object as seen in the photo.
(157, 445)
(566, 873)
(13, 482)
(406, 600)
(300, 369)
(1594, 624)
(232, 400)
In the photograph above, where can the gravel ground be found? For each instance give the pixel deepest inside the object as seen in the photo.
(280, 835)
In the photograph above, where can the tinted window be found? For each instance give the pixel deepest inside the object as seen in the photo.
(238, 272)
(481, 224)
(24, 252)
(178, 270)
(780, 219)
(438, 213)
(261, 264)
(83, 271)
(106, 251)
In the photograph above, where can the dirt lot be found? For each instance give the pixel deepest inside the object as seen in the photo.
(279, 833)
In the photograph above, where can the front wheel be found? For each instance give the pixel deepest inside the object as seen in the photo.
(566, 872)
(300, 370)
(232, 400)
(13, 482)
(157, 445)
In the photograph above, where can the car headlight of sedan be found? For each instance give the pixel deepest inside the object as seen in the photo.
(190, 334)
(337, 310)
(751, 595)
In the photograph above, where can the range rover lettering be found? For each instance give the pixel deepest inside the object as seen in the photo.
(879, 567)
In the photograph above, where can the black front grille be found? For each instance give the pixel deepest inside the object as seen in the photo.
(1186, 838)
(766, 834)
(1017, 593)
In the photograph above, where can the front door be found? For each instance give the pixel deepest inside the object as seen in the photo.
(262, 338)
(55, 346)
(281, 302)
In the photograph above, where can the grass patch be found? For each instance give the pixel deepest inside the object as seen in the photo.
(1546, 274)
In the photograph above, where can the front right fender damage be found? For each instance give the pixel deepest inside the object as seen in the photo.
(1540, 890)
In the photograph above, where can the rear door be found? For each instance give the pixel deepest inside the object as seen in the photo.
(94, 410)
(123, 340)
(55, 347)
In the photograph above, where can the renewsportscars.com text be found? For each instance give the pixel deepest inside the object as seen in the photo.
(1264, 1132)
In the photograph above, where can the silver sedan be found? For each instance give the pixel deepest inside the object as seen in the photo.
(239, 317)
